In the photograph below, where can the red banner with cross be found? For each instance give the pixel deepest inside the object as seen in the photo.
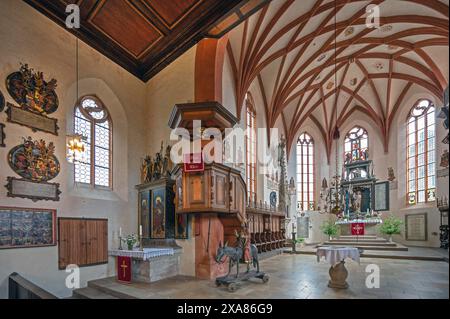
(124, 269)
(357, 229)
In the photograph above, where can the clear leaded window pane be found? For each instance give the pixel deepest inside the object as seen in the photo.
(305, 172)
(92, 122)
(421, 159)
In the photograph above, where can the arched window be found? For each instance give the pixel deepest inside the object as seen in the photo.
(250, 145)
(93, 122)
(356, 145)
(305, 172)
(421, 159)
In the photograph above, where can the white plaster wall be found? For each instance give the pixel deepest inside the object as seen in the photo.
(173, 85)
(27, 36)
(228, 87)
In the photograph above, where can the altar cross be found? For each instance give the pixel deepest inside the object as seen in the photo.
(124, 268)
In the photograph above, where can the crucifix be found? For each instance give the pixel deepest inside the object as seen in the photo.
(124, 268)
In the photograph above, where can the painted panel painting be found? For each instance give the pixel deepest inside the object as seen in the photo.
(158, 214)
(27, 227)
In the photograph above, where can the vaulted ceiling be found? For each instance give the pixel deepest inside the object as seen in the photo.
(144, 36)
(317, 59)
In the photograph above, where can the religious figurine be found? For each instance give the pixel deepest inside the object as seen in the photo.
(167, 163)
(157, 165)
(391, 176)
(444, 159)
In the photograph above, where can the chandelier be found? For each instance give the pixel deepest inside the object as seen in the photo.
(76, 148)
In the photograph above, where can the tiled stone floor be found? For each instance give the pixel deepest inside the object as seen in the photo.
(300, 276)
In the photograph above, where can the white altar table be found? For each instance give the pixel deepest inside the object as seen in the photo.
(149, 264)
(145, 254)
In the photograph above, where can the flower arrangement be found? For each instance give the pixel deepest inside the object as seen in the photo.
(391, 226)
(131, 241)
(329, 228)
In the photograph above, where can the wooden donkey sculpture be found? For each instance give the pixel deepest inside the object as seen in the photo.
(234, 255)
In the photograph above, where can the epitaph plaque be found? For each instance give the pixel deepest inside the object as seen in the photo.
(35, 121)
(33, 190)
(381, 196)
(416, 227)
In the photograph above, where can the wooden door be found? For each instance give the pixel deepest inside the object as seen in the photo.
(96, 241)
(72, 242)
(82, 242)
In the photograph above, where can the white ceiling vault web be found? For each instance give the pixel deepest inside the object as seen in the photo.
(287, 50)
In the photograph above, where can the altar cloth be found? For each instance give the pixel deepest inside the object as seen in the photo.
(335, 255)
(146, 254)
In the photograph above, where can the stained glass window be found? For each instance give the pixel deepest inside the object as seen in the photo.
(251, 152)
(305, 172)
(356, 145)
(420, 153)
(92, 121)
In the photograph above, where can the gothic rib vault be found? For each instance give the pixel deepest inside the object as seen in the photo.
(286, 52)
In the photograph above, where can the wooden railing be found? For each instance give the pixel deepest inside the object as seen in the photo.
(21, 288)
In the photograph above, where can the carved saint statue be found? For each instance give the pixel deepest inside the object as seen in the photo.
(356, 205)
(167, 163)
(146, 170)
(391, 175)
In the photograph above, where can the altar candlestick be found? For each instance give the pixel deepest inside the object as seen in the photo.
(140, 230)
(120, 231)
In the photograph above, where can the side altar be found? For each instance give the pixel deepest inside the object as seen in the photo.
(157, 255)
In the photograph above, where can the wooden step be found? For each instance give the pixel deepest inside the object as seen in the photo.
(91, 293)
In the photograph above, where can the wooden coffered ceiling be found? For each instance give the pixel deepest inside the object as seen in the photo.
(144, 36)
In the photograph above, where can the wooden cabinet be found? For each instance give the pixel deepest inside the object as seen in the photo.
(83, 242)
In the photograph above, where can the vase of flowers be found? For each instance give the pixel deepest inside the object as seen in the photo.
(130, 241)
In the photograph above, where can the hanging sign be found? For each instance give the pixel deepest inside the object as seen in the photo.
(193, 163)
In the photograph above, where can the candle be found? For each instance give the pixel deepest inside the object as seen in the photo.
(140, 230)
(120, 231)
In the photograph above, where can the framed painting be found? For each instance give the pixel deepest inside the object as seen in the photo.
(158, 213)
(27, 227)
(380, 195)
